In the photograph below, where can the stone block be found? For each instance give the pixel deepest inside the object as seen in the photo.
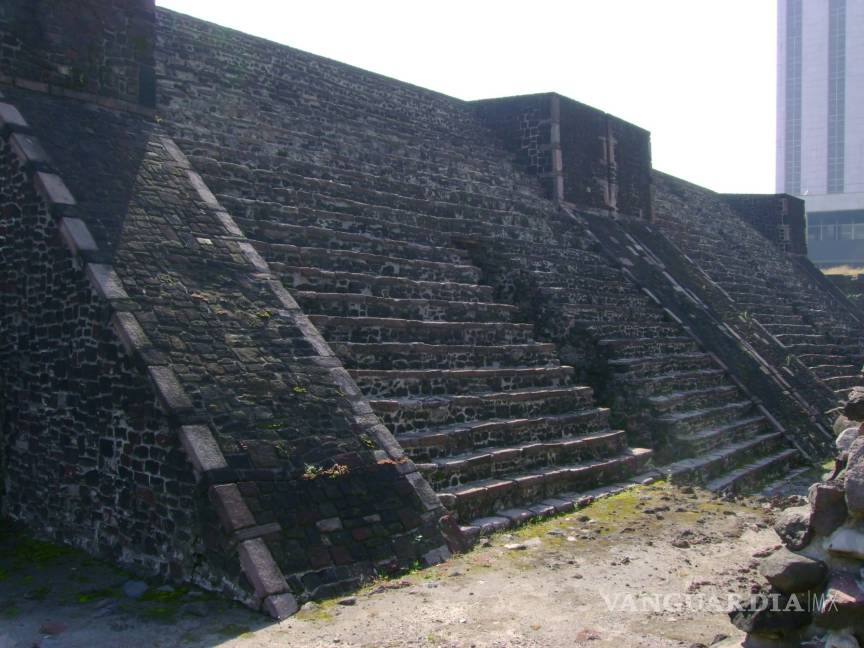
(76, 235)
(201, 448)
(53, 190)
(847, 542)
(854, 406)
(231, 508)
(827, 507)
(105, 281)
(11, 120)
(790, 573)
(855, 487)
(843, 606)
(261, 570)
(172, 396)
(793, 527)
(281, 606)
(29, 151)
(329, 525)
(132, 336)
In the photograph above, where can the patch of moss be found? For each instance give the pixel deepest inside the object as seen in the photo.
(10, 612)
(88, 596)
(163, 596)
(28, 551)
(234, 630)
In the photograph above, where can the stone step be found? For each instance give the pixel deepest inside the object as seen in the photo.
(349, 261)
(831, 370)
(767, 319)
(420, 355)
(706, 440)
(792, 339)
(251, 213)
(824, 359)
(383, 329)
(633, 330)
(328, 281)
(403, 415)
(754, 473)
(660, 364)
(787, 329)
(438, 382)
(498, 463)
(340, 304)
(629, 348)
(613, 313)
(692, 421)
(723, 460)
(498, 496)
(448, 441)
(844, 382)
(664, 383)
(693, 399)
(577, 286)
(269, 232)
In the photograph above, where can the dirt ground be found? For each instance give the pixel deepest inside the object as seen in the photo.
(649, 567)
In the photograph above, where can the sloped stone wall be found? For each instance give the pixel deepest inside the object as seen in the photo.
(779, 218)
(90, 458)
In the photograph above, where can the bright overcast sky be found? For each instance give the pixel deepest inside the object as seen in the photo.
(699, 74)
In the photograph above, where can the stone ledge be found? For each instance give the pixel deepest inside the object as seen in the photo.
(172, 397)
(105, 281)
(77, 237)
(262, 571)
(11, 120)
(53, 190)
(201, 449)
(29, 151)
(281, 606)
(232, 510)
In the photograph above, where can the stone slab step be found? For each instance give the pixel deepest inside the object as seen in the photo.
(693, 399)
(844, 382)
(636, 329)
(349, 261)
(447, 441)
(438, 382)
(382, 329)
(703, 468)
(706, 417)
(664, 383)
(486, 498)
(421, 355)
(708, 439)
(831, 370)
(497, 463)
(341, 304)
(630, 348)
(269, 232)
(328, 281)
(754, 473)
(660, 364)
(779, 329)
(614, 313)
(403, 415)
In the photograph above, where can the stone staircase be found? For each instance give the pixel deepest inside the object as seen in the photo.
(371, 199)
(662, 388)
(763, 283)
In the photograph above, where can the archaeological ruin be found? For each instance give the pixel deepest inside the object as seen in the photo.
(273, 324)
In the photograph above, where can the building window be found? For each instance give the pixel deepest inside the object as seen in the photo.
(792, 135)
(836, 94)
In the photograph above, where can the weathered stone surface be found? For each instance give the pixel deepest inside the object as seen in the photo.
(854, 406)
(848, 542)
(847, 437)
(764, 615)
(789, 572)
(854, 484)
(794, 528)
(844, 604)
(827, 507)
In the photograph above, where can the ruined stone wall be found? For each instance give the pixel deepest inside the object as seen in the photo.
(87, 49)
(90, 458)
(779, 218)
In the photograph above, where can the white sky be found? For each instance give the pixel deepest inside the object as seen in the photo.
(699, 74)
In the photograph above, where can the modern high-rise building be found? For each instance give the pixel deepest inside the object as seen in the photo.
(820, 122)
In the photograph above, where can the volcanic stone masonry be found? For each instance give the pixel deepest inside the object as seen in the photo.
(275, 325)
